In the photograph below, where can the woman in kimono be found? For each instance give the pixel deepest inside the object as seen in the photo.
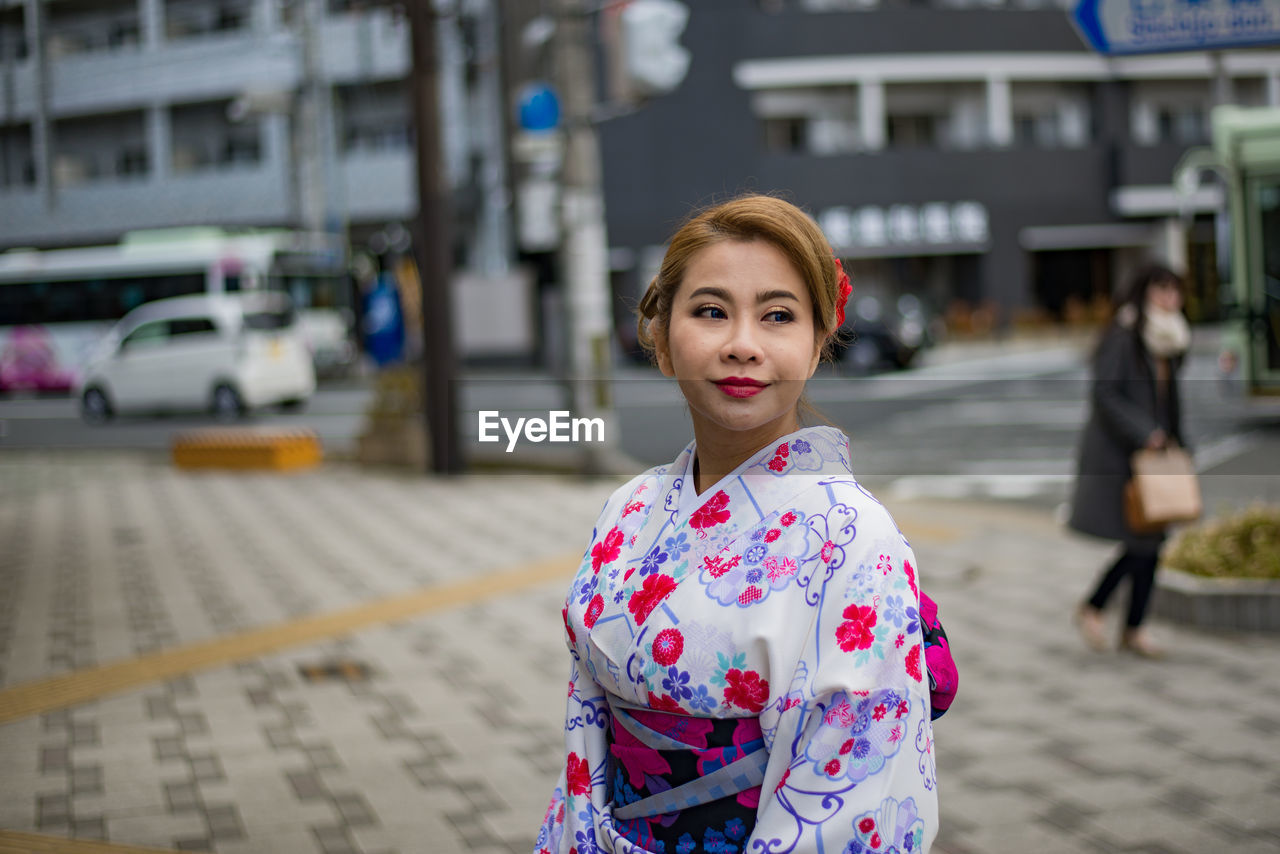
(746, 626)
(1135, 405)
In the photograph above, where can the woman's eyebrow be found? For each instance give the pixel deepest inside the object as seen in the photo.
(722, 294)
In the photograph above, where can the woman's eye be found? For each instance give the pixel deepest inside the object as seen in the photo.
(712, 311)
(778, 316)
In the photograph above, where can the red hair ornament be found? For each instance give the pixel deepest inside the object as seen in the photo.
(842, 280)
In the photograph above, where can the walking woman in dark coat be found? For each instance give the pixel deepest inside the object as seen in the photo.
(1134, 406)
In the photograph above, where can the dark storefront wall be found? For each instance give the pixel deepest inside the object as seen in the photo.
(703, 144)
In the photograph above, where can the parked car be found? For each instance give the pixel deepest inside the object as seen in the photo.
(29, 362)
(223, 353)
(875, 337)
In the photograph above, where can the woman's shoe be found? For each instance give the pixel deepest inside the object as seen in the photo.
(1137, 642)
(1089, 622)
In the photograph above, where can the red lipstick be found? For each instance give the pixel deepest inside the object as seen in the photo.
(741, 386)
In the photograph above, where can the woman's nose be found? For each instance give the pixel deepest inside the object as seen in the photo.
(743, 344)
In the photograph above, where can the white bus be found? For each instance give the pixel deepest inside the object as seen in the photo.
(74, 295)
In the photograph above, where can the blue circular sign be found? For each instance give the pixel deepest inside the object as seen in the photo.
(539, 107)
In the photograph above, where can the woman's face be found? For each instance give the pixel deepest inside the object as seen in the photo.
(741, 341)
(1164, 295)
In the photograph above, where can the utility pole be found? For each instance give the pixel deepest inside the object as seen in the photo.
(312, 192)
(432, 245)
(584, 252)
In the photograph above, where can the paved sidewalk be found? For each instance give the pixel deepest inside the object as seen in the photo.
(452, 742)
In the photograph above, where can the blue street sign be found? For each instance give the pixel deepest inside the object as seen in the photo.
(539, 108)
(1117, 27)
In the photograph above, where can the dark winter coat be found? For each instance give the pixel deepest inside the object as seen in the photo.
(1124, 412)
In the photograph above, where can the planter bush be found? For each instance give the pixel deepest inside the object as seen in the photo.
(1224, 573)
(1243, 545)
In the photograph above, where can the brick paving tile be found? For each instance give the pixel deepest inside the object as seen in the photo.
(89, 828)
(181, 797)
(335, 840)
(167, 747)
(307, 785)
(224, 822)
(52, 810)
(54, 760)
(206, 768)
(86, 779)
(354, 810)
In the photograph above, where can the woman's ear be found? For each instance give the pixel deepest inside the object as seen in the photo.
(818, 344)
(662, 352)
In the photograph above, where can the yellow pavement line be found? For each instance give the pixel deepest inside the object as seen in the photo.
(70, 689)
(12, 842)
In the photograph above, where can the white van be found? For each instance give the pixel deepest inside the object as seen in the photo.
(223, 353)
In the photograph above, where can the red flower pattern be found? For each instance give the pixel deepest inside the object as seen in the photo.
(594, 608)
(606, 550)
(578, 776)
(911, 577)
(667, 647)
(663, 703)
(855, 631)
(643, 601)
(772, 534)
(712, 513)
(913, 664)
(777, 464)
(867, 824)
(718, 565)
(832, 768)
(746, 690)
(788, 519)
(564, 613)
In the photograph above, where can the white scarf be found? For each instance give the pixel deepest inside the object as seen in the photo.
(1166, 334)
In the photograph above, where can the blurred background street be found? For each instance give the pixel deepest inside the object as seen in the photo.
(351, 226)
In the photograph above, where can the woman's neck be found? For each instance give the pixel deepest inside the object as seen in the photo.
(717, 452)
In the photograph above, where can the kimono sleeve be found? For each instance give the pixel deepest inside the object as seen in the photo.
(851, 766)
(575, 809)
(571, 817)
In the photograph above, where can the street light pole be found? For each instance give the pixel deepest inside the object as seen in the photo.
(432, 246)
(584, 244)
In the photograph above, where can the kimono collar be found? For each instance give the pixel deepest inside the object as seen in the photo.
(770, 476)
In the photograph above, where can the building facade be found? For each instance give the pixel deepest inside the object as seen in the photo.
(976, 154)
(127, 114)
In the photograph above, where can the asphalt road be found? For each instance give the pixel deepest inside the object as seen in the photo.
(997, 423)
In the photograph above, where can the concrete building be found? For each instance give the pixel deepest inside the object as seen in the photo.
(126, 114)
(973, 152)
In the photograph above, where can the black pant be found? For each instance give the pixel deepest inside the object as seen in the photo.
(1142, 567)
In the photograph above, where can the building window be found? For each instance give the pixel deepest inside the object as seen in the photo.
(103, 147)
(1170, 111)
(935, 115)
(194, 18)
(375, 117)
(83, 27)
(205, 138)
(17, 166)
(810, 121)
(1050, 115)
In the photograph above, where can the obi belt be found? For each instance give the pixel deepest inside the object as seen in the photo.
(683, 784)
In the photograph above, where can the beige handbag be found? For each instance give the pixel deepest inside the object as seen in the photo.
(1163, 491)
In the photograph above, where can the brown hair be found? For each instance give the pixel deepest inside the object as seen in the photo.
(745, 218)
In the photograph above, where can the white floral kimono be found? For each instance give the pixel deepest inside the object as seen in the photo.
(784, 594)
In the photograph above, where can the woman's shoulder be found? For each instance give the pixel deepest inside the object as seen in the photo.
(639, 487)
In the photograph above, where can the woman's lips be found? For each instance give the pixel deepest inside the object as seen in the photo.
(741, 386)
